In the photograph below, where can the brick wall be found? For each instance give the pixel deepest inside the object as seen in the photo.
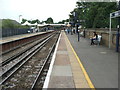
(105, 36)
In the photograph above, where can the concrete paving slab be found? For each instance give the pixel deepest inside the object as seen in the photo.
(62, 71)
(57, 82)
(62, 52)
(62, 60)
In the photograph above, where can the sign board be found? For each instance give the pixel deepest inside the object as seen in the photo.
(115, 14)
(112, 15)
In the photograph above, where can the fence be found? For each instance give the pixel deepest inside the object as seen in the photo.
(11, 32)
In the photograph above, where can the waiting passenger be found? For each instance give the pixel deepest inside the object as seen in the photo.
(95, 37)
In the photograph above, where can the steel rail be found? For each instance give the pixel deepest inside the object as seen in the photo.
(44, 64)
(31, 54)
(20, 59)
(18, 54)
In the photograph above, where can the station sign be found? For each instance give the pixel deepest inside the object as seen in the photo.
(115, 14)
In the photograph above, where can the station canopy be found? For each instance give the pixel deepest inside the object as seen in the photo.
(42, 25)
(29, 24)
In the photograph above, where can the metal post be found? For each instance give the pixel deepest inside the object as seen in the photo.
(110, 33)
(84, 32)
(71, 31)
(117, 40)
(78, 36)
(118, 34)
(78, 33)
(19, 18)
(84, 23)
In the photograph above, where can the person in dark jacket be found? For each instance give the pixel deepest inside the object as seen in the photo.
(95, 37)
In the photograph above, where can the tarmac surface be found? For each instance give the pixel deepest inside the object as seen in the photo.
(100, 62)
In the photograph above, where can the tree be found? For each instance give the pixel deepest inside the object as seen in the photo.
(38, 21)
(95, 14)
(49, 21)
(63, 21)
(11, 24)
(23, 21)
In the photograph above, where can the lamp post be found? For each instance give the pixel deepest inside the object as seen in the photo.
(76, 23)
(84, 25)
(19, 18)
(79, 7)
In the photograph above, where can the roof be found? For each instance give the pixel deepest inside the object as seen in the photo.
(41, 25)
(29, 24)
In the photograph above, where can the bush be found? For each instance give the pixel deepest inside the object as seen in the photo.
(12, 24)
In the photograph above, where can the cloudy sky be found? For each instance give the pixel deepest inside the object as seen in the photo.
(36, 9)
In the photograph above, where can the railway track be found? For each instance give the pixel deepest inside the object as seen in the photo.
(8, 64)
(14, 45)
(29, 65)
(15, 52)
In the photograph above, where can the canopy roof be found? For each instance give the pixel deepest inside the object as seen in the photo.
(29, 24)
(42, 25)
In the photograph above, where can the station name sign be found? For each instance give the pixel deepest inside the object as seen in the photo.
(115, 14)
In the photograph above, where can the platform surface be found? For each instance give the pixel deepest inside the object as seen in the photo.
(81, 65)
(66, 71)
(100, 62)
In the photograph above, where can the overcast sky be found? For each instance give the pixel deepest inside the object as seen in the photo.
(36, 9)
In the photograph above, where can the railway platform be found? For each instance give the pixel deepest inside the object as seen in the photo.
(80, 65)
(66, 71)
(17, 37)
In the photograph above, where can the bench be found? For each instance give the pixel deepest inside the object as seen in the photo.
(81, 34)
(98, 40)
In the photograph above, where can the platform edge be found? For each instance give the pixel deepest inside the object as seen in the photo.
(46, 83)
(82, 67)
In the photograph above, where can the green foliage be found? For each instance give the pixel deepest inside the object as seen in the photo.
(63, 21)
(11, 24)
(23, 21)
(96, 14)
(0, 23)
(38, 21)
(49, 21)
(31, 21)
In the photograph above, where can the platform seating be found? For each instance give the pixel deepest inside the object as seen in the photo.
(98, 40)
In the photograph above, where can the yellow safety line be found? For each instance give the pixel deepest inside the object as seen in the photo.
(82, 67)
